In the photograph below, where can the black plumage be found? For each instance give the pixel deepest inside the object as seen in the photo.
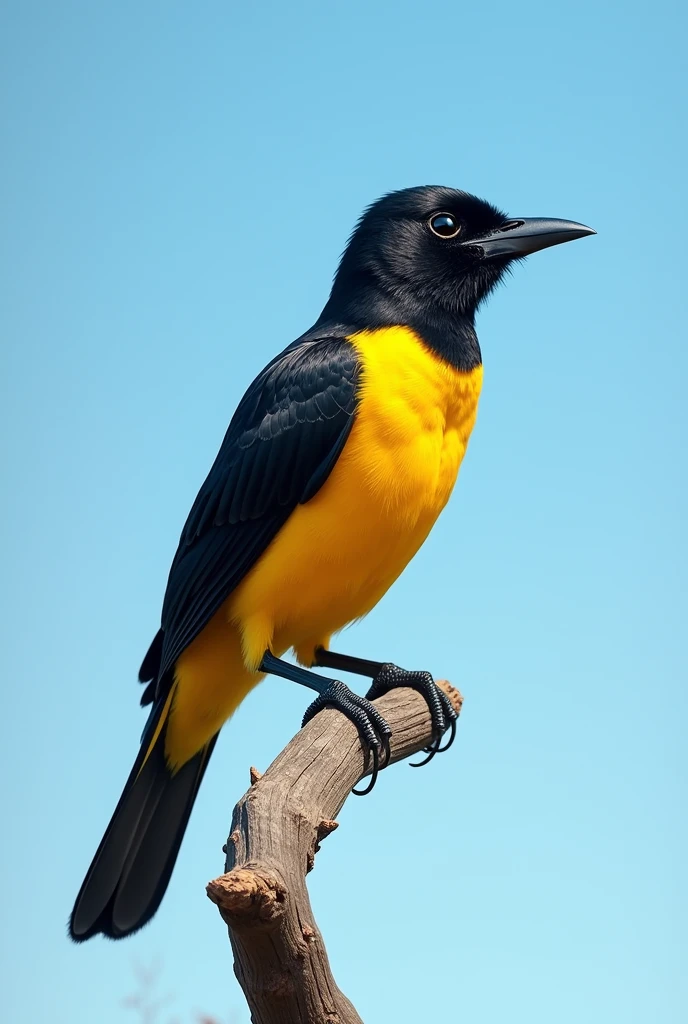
(281, 445)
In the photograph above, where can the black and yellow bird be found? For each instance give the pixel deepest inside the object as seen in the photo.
(337, 462)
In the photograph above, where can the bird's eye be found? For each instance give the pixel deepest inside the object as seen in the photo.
(445, 225)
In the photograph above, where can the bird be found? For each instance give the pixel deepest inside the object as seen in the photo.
(335, 466)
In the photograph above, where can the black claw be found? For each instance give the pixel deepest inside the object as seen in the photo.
(430, 751)
(452, 726)
(442, 712)
(373, 730)
(373, 776)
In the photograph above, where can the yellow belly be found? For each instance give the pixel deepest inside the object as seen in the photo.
(338, 554)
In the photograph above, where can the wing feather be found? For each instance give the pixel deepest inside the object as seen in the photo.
(282, 444)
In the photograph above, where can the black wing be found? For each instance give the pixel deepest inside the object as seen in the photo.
(279, 449)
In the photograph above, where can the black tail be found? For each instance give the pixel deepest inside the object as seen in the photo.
(133, 864)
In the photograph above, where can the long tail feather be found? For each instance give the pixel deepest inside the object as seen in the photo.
(133, 864)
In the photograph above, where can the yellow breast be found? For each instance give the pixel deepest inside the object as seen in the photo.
(338, 554)
(415, 417)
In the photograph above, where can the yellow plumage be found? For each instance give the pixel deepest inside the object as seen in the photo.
(338, 554)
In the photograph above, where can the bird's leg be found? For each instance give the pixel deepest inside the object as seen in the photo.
(386, 677)
(373, 730)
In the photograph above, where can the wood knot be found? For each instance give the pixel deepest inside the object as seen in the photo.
(322, 831)
(454, 695)
(255, 775)
(232, 844)
(308, 933)
(324, 828)
(247, 898)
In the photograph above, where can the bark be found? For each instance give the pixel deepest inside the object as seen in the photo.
(277, 827)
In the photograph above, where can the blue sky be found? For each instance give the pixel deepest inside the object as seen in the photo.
(177, 184)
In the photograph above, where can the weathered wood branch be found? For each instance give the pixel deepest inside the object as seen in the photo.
(279, 955)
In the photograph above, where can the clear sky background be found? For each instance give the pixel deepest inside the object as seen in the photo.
(178, 181)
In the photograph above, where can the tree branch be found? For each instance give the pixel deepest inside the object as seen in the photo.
(279, 955)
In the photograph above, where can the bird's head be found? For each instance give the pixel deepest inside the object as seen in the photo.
(436, 249)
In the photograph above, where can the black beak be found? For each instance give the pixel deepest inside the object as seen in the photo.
(520, 237)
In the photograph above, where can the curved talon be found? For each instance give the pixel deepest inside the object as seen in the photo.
(374, 774)
(435, 747)
(430, 751)
(447, 745)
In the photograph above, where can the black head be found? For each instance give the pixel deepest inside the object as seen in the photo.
(427, 257)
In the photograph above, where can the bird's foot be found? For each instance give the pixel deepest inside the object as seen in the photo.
(373, 730)
(442, 713)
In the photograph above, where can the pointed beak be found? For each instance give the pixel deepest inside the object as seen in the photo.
(521, 236)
